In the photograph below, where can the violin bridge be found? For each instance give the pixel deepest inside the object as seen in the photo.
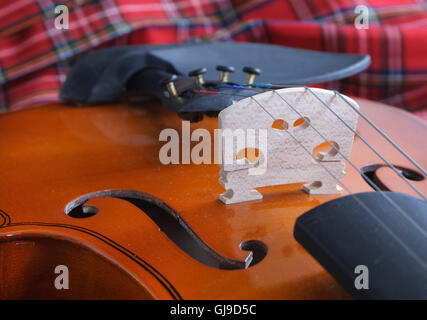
(292, 135)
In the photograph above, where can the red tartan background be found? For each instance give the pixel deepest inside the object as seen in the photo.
(35, 57)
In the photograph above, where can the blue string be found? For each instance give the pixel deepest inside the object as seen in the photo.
(230, 86)
(259, 85)
(255, 85)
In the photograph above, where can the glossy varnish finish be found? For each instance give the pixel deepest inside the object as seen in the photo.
(51, 154)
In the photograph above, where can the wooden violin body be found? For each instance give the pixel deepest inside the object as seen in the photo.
(52, 154)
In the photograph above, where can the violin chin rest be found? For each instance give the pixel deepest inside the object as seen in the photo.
(374, 244)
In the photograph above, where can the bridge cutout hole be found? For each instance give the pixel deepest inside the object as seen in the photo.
(280, 124)
(325, 148)
(302, 123)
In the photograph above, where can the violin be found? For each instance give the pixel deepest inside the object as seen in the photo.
(84, 188)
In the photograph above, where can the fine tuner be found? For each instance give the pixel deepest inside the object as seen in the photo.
(193, 94)
(197, 75)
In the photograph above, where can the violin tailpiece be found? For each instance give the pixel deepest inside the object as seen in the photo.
(290, 137)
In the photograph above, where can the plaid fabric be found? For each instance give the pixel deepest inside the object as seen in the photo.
(35, 56)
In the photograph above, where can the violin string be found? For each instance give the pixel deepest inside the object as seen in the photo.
(330, 144)
(354, 196)
(268, 86)
(364, 141)
(398, 172)
(393, 203)
(370, 182)
(383, 134)
(302, 145)
(334, 147)
(324, 138)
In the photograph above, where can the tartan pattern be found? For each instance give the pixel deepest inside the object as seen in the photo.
(35, 57)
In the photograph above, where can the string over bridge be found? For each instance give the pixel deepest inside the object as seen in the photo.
(284, 143)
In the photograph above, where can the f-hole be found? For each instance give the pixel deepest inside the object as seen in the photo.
(174, 226)
(370, 172)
